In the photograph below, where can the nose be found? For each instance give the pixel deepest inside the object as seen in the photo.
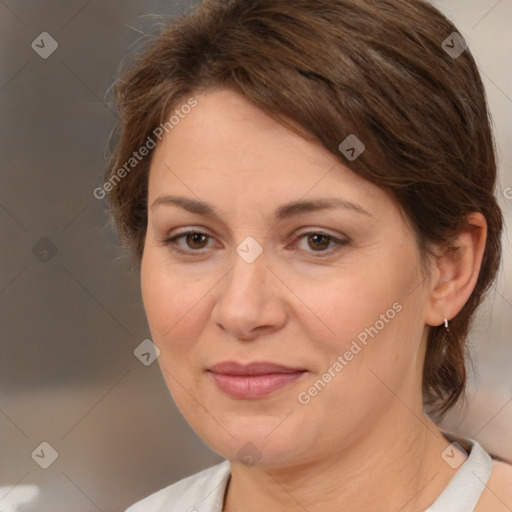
(250, 301)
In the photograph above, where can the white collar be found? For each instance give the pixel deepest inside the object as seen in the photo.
(465, 488)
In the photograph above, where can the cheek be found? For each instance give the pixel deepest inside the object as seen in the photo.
(349, 302)
(173, 303)
(175, 308)
(365, 314)
(369, 355)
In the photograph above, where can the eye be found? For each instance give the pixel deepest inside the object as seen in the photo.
(194, 240)
(319, 241)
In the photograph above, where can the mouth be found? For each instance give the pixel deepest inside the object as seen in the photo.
(255, 380)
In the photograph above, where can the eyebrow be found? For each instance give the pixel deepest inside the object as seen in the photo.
(283, 212)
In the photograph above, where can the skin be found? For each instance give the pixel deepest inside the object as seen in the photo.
(364, 441)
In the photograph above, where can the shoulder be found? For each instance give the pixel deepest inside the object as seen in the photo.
(187, 493)
(497, 496)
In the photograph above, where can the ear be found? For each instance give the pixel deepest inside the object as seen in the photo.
(456, 271)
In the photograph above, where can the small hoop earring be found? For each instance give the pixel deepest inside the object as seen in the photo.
(446, 324)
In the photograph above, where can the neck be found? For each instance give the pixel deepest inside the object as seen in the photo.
(397, 466)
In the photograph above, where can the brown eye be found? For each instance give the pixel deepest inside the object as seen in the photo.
(189, 242)
(196, 240)
(318, 241)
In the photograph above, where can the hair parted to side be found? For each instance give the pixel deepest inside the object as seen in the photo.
(334, 68)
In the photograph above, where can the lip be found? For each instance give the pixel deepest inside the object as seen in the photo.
(250, 369)
(253, 380)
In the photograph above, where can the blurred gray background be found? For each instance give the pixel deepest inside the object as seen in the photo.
(71, 313)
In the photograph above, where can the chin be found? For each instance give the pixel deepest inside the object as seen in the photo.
(259, 443)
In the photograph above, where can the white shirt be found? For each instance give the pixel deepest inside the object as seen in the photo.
(204, 491)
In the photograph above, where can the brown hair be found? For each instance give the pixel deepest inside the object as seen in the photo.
(335, 68)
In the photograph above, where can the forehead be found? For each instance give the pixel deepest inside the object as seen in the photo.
(227, 150)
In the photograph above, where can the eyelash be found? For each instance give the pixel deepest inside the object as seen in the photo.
(171, 242)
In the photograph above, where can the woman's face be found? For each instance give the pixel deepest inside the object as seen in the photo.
(347, 318)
